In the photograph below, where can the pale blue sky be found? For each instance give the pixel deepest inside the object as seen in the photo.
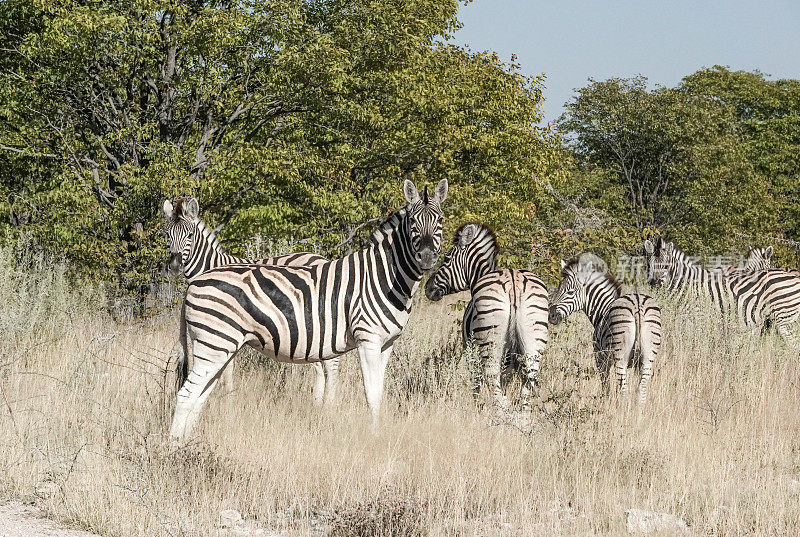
(573, 40)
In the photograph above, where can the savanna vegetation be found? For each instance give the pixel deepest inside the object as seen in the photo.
(293, 122)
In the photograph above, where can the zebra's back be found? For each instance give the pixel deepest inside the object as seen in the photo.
(771, 295)
(507, 303)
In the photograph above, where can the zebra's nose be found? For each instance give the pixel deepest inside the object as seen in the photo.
(554, 317)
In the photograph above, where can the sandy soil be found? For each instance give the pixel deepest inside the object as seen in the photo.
(20, 520)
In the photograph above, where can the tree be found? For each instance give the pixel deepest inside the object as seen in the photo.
(291, 118)
(678, 156)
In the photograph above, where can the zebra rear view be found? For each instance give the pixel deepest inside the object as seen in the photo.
(506, 318)
(627, 328)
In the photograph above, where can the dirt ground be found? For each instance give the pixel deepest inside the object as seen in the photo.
(20, 520)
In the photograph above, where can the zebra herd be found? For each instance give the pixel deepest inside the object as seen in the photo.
(303, 308)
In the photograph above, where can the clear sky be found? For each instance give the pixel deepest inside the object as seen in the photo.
(572, 40)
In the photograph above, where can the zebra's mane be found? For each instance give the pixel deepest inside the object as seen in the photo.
(209, 235)
(572, 266)
(389, 223)
(486, 230)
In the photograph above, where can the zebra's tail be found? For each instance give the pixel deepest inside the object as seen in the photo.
(182, 367)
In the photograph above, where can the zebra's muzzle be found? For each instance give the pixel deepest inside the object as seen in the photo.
(426, 258)
(431, 291)
(175, 263)
(554, 317)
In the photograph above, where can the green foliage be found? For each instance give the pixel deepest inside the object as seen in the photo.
(289, 118)
(712, 162)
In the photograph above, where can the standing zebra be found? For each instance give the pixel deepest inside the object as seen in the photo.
(762, 298)
(308, 314)
(195, 249)
(507, 313)
(627, 328)
(758, 258)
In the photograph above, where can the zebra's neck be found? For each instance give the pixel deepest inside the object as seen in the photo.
(390, 265)
(601, 292)
(482, 257)
(686, 276)
(205, 252)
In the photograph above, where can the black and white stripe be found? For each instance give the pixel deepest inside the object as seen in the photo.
(506, 318)
(308, 314)
(759, 298)
(194, 248)
(627, 328)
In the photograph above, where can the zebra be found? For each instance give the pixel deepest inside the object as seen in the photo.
(307, 314)
(507, 313)
(762, 298)
(758, 258)
(627, 328)
(194, 249)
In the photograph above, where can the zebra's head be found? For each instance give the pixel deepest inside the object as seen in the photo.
(660, 258)
(425, 218)
(571, 294)
(473, 254)
(181, 224)
(759, 258)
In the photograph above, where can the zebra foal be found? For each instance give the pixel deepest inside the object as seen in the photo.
(307, 314)
(506, 316)
(627, 328)
(760, 298)
(194, 249)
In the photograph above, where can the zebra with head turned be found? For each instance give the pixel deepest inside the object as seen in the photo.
(761, 298)
(307, 314)
(194, 249)
(506, 316)
(758, 258)
(627, 328)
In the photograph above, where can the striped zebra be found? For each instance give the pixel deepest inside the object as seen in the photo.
(506, 318)
(758, 258)
(627, 328)
(308, 314)
(194, 249)
(762, 298)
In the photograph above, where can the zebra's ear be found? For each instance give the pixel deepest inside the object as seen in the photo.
(441, 190)
(649, 248)
(467, 235)
(768, 252)
(563, 264)
(169, 210)
(410, 191)
(191, 208)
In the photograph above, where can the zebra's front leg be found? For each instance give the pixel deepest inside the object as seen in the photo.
(331, 371)
(318, 392)
(373, 362)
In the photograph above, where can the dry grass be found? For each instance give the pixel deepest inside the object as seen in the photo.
(84, 425)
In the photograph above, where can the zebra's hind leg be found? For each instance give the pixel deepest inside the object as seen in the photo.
(533, 342)
(649, 352)
(493, 369)
(603, 363)
(206, 371)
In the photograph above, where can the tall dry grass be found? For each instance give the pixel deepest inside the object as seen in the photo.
(86, 408)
